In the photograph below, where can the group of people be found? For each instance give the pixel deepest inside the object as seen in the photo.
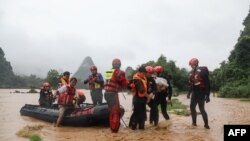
(67, 95)
(149, 86)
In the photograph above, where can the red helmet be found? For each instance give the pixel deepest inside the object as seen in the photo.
(46, 84)
(158, 69)
(149, 69)
(80, 93)
(194, 61)
(116, 63)
(93, 68)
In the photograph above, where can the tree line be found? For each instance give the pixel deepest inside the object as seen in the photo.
(231, 79)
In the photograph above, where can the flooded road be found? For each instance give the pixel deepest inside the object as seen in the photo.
(178, 128)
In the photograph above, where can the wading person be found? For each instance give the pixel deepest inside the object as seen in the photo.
(151, 86)
(163, 96)
(139, 92)
(115, 81)
(199, 78)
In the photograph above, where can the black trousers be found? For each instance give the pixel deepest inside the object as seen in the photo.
(161, 100)
(138, 116)
(198, 97)
(154, 112)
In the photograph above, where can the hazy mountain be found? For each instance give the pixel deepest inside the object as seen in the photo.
(6, 72)
(83, 70)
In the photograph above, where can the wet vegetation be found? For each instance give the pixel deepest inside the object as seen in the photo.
(30, 132)
(177, 108)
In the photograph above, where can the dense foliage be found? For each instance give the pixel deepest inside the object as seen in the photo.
(232, 78)
(9, 80)
(178, 76)
(6, 72)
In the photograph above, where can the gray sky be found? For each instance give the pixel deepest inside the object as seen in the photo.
(37, 35)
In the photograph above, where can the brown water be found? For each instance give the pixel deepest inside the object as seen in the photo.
(220, 112)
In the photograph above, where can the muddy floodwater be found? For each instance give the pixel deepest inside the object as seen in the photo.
(178, 128)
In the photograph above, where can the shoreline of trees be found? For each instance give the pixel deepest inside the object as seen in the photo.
(231, 79)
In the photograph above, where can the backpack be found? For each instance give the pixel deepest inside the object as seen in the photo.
(204, 74)
(204, 71)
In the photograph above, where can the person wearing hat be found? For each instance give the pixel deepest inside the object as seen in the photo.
(199, 79)
(115, 81)
(96, 82)
(152, 89)
(139, 92)
(46, 96)
(164, 91)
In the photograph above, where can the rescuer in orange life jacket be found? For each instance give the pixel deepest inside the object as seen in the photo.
(140, 94)
(199, 79)
(115, 81)
(46, 96)
(65, 101)
(96, 83)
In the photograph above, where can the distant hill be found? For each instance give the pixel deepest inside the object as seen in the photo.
(83, 70)
(6, 72)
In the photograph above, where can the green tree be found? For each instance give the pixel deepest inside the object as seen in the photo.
(53, 78)
(246, 23)
(235, 74)
(178, 77)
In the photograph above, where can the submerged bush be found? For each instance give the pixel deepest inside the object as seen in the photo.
(28, 131)
(35, 137)
(32, 91)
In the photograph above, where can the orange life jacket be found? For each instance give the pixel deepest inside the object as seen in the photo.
(64, 82)
(67, 97)
(144, 83)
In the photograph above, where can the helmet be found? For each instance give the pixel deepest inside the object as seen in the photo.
(93, 68)
(81, 97)
(158, 69)
(149, 69)
(46, 84)
(116, 63)
(80, 93)
(194, 61)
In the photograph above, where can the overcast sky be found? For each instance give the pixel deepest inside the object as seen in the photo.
(39, 35)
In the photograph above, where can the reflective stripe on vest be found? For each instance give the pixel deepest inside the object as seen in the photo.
(111, 81)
